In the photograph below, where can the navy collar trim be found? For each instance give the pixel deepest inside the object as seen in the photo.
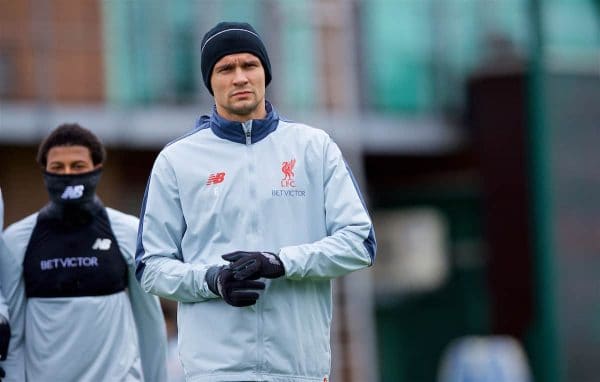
(233, 131)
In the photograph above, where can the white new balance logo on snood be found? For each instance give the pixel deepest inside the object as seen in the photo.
(73, 192)
(102, 244)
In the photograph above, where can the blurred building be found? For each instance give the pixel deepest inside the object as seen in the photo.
(471, 125)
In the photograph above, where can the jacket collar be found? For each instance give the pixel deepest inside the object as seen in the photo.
(233, 131)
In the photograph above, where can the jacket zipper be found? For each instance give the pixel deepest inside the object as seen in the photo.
(247, 127)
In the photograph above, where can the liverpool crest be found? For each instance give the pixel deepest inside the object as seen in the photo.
(288, 173)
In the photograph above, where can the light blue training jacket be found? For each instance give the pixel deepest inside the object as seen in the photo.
(115, 337)
(264, 185)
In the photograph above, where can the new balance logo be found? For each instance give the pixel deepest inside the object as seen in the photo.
(73, 192)
(215, 178)
(102, 244)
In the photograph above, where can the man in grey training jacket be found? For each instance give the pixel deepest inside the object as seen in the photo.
(245, 222)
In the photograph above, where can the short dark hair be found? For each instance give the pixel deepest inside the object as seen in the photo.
(71, 134)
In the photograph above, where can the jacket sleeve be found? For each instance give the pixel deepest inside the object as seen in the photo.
(12, 248)
(147, 313)
(151, 330)
(160, 266)
(350, 242)
(3, 306)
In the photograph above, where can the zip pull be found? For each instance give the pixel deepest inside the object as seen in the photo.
(247, 126)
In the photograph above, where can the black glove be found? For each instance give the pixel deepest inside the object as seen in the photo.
(235, 292)
(4, 337)
(253, 265)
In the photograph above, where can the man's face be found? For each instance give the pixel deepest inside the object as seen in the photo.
(238, 83)
(70, 160)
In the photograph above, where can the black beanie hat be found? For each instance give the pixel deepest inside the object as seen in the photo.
(229, 38)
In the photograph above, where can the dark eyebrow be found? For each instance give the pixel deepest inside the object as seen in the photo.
(226, 65)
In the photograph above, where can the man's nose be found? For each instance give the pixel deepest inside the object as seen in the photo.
(240, 76)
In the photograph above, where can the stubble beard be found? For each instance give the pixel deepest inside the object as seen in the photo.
(245, 108)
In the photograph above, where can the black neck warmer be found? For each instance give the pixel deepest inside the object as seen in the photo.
(73, 200)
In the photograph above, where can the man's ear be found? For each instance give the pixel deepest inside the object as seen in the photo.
(97, 166)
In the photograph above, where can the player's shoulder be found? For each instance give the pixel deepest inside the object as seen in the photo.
(303, 130)
(199, 131)
(20, 229)
(121, 220)
(17, 235)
